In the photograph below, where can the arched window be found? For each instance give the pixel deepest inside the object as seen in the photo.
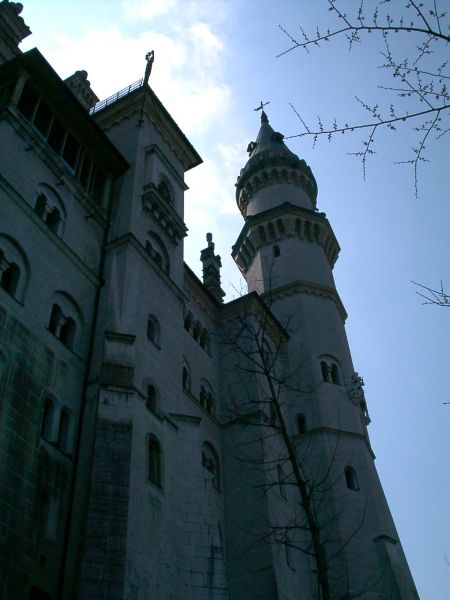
(41, 205)
(186, 379)
(55, 319)
(152, 398)
(47, 424)
(153, 330)
(67, 332)
(204, 341)
(164, 191)
(10, 279)
(271, 230)
(276, 250)
(65, 319)
(156, 249)
(53, 220)
(335, 374)
(350, 478)
(188, 321)
(64, 431)
(210, 403)
(154, 461)
(203, 396)
(324, 368)
(50, 208)
(210, 462)
(196, 331)
(14, 268)
(301, 423)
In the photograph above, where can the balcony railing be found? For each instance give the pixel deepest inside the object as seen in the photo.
(127, 90)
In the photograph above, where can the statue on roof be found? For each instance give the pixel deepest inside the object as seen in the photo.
(149, 57)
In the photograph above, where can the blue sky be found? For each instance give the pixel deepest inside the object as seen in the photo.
(215, 61)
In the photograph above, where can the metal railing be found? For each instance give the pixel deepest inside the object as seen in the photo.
(127, 90)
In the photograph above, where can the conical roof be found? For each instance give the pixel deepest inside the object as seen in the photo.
(268, 140)
(270, 161)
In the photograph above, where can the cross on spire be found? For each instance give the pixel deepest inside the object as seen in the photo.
(262, 105)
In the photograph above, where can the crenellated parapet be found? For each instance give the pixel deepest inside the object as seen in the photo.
(277, 224)
(274, 168)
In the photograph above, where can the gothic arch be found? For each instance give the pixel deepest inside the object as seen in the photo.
(156, 248)
(50, 208)
(15, 267)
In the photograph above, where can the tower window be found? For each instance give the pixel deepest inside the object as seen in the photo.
(154, 461)
(276, 250)
(153, 330)
(10, 279)
(47, 420)
(152, 398)
(301, 423)
(210, 462)
(64, 431)
(351, 479)
(67, 333)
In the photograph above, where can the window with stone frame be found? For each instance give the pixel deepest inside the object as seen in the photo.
(154, 330)
(154, 457)
(351, 479)
(211, 464)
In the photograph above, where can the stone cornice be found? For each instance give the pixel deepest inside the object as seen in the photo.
(305, 287)
(296, 221)
(269, 168)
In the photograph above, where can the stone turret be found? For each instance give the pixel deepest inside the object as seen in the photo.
(272, 174)
(13, 30)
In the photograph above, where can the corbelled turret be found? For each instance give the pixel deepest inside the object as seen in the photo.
(271, 163)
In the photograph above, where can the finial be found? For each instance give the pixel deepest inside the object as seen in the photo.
(209, 240)
(264, 118)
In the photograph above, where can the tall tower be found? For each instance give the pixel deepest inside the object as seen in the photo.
(286, 252)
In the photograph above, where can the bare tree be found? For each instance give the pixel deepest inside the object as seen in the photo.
(429, 295)
(418, 95)
(256, 342)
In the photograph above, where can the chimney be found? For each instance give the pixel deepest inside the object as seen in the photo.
(12, 30)
(80, 87)
(211, 270)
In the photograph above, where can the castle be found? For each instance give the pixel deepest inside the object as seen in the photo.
(156, 442)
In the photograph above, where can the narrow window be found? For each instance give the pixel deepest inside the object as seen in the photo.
(196, 332)
(43, 118)
(210, 403)
(351, 479)
(188, 321)
(47, 420)
(27, 102)
(55, 319)
(164, 191)
(41, 205)
(276, 250)
(324, 367)
(335, 374)
(203, 396)
(53, 220)
(301, 423)
(153, 329)
(204, 340)
(64, 431)
(67, 334)
(186, 379)
(70, 152)
(10, 279)
(151, 398)
(154, 462)
(210, 462)
(56, 136)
